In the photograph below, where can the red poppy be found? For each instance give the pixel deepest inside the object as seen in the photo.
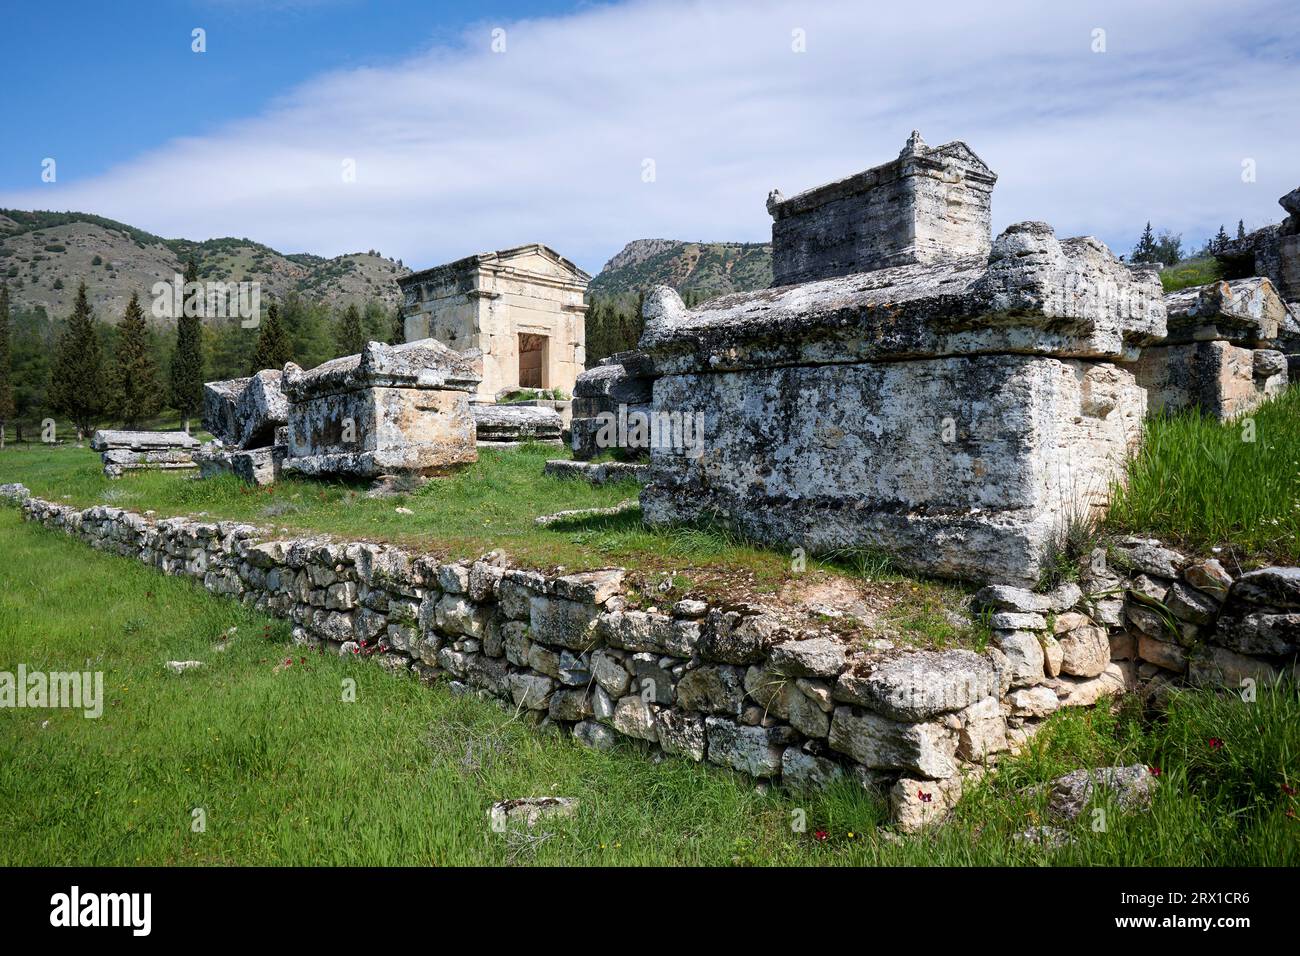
(288, 662)
(923, 796)
(1154, 771)
(1288, 790)
(820, 835)
(1215, 743)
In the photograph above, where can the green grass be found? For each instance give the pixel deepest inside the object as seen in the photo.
(1201, 484)
(288, 773)
(1191, 272)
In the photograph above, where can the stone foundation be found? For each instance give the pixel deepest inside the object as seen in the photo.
(740, 686)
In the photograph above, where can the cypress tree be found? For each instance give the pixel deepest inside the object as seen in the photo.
(136, 392)
(6, 364)
(349, 336)
(1145, 250)
(1241, 229)
(273, 346)
(398, 334)
(187, 360)
(76, 374)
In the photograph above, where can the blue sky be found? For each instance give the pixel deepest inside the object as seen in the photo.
(458, 147)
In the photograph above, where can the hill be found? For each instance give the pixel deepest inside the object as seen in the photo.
(43, 255)
(707, 269)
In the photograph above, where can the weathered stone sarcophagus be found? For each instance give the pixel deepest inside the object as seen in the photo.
(957, 414)
(389, 410)
(247, 417)
(128, 451)
(504, 426)
(616, 389)
(1220, 354)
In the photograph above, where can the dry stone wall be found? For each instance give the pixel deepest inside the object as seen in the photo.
(740, 686)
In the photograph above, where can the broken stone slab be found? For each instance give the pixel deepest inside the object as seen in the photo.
(528, 812)
(578, 514)
(1219, 378)
(597, 473)
(108, 440)
(220, 401)
(1245, 312)
(180, 667)
(1130, 787)
(515, 424)
(260, 410)
(256, 466)
(848, 464)
(389, 409)
(162, 458)
(1034, 295)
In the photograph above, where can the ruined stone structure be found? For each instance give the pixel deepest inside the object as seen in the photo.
(248, 419)
(1273, 252)
(744, 686)
(619, 386)
(522, 308)
(958, 414)
(123, 451)
(504, 426)
(401, 409)
(1220, 354)
(929, 205)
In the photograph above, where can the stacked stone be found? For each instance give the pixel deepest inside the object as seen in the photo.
(247, 417)
(506, 426)
(739, 686)
(1273, 252)
(620, 386)
(1221, 352)
(1181, 618)
(390, 410)
(123, 451)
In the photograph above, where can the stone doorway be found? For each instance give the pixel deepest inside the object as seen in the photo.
(532, 360)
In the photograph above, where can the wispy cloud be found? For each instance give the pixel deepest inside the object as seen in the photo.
(461, 149)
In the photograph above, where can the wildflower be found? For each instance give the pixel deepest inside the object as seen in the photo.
(820, 835)
(923, 796)
(1215, 743)
(1288, 790)
(1154, 771)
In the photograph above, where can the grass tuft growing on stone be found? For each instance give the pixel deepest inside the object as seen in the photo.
(1202, 484)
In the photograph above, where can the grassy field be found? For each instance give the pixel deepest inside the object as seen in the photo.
(1203, 484)
(287, 772)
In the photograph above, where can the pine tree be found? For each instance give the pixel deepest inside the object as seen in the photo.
(1241, 229)
(1145, 250)
(398, 334)
(349, 336)
(76, 374)
(1219, 242)
(136, 393)
(6, 365)
(187, 360)
(273, 346)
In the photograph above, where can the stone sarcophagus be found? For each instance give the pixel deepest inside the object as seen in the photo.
(247, 417)
(401, 409)
(956, 415)
(1220, 356)
(151, 451)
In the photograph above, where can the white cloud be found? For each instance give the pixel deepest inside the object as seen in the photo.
(460, 150)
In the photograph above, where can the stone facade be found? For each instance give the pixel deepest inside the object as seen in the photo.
(390, 409)
(957, 415)
(926, 206)
(1220, 355)
(522, 308)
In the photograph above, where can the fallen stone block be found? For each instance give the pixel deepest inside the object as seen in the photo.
(508, 425)
(256, 466)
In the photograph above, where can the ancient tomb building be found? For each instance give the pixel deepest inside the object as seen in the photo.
(958, 413)
(523, 308)
(926, 206)
(399, 409)
(1221, 354)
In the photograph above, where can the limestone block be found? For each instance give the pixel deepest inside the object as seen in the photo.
(220, 400)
